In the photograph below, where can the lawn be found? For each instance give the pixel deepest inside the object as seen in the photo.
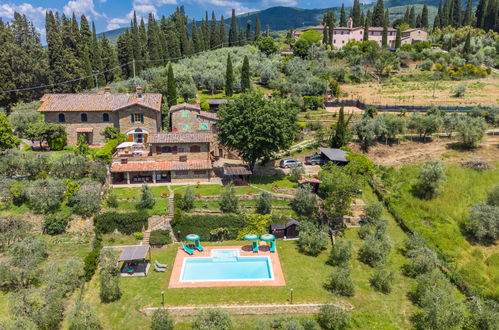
(132, 193)
(159, 208)
(305, 274)
(440, 220)
(267, 182)
(213, 189)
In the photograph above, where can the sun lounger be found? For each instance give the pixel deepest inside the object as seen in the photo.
(199, 246)
(156, 263)
(159, 269)
(188, 250)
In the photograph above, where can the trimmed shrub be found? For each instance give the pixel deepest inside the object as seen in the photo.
(264, 205)
(341, 253)
(229, 203)
(126, 223)
(161, 320)
(187, 201)
(212, 319)
(340, 283)
(374, 251)
(205, 224)
(312, 239)
(146, 200)
(55, 224)
(138, 236)
(331, 317)
(106, 152)
(382, 280)
(160, 237)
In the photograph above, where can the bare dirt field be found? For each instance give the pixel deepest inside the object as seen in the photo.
(412, 152)
(483, 92)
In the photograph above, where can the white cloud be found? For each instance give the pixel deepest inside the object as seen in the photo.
(34, 14)
(142, 8)
(79, 7)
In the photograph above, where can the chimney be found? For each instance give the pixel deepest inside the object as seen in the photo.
(107, 90)
(350, 23)
(138, 90)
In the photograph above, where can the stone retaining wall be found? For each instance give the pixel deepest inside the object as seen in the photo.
(244, 197)
(248, 309)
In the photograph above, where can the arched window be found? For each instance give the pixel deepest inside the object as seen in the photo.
(105, 117)
(195, 149)
(84, 117)
(62, 118)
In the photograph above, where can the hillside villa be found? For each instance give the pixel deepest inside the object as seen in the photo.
(137, 115)
(342, 35)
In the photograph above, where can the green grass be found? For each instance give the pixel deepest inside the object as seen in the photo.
(4, 305)
(213, 189)
(119, 239)
(132, 193)
(305, 274)
(440, 221)
(159, 208)
(267, 182)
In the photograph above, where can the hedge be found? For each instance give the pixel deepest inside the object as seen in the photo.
(160, 237)
(125, 223)
(203, 224)
(106, 152)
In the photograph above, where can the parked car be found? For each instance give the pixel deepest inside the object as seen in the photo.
(288, 162)
(315, 159)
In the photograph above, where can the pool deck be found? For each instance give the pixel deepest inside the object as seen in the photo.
(244, 251)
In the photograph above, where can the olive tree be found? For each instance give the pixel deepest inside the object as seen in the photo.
(340, 282)
(431, 178)
(46, 195)
(375, 251)
(87, 200)
(382, 279)
(146, 200)
(83, 317)
(471, 130)
(188, 199)
(493, 196)
(483, 223)
(331, 317)
(311, 239)
(212, 319)
(161, 320)
(304, 202)
(264, 204)
(341, 253)
(229, 203)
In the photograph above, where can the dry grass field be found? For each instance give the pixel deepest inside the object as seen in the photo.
(483, 92)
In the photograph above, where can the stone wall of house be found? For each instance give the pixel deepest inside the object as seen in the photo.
(73, 122)
(191, 176)
(192, 121)
(183, 149)
(152, 119)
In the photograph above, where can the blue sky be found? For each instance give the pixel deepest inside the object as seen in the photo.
(112, 14)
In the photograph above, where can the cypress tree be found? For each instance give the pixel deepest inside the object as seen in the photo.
(491, 19)
(481, 12)
(362, 18)
(412, 18)
(467, 44)
(398, 39)
(424, 17)
(340, 138)
(245, 76)
(196, 41)
(229, 78)
(153, 40)
(240, 36)
(267, 30)
(456, 13)
(258, 27)
(446, 14)
(223, 32)
(387, 18)
(172, 41)
(356, 13)
(365, 36)
(384, 37)
(233, 30)
(369, 18)
(6, 72)
(248, 28)
(109, 60)
(406, 16)
(343, 16)
(125, 53)
(171, 88)
(418, 21)
(468, 15)
(378, 14)
(436, 22)
(214, 40)
(96, 58)
(143, 46)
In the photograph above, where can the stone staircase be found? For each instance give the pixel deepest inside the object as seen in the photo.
(159, 222)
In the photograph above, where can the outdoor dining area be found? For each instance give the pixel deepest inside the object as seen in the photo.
(135, 261)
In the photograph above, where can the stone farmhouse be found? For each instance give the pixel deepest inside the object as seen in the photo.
(137, 115)
(167, 157)
(342, 35)
(190, 118)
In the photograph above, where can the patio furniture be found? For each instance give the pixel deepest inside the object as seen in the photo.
(188, 249)
(270, 239)
(156, 263)
(134, 260)
(196, 240)
(159, 269)
(254, 239)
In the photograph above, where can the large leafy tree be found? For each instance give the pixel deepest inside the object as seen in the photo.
(257, 128)
(7, 138)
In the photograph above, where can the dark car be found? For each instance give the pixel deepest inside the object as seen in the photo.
(288, 162)
(315, 159)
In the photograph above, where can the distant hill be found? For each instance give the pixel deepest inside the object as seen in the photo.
(285, 18)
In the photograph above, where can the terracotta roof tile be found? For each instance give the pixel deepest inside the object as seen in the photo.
(149, 166)
(236, 170)
(97, 102)
(209, 115)
(175, 137)
(184, 106)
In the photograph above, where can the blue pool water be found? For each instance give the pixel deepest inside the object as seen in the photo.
(226, 265)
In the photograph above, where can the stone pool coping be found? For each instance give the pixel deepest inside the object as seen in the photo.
(244, 251)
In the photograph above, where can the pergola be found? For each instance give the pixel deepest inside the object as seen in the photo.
(134, 260)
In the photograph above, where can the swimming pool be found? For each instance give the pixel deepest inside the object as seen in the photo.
(226, 265)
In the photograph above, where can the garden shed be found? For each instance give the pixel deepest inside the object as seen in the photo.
(288, 230)
(236, 173)
(337, 156)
